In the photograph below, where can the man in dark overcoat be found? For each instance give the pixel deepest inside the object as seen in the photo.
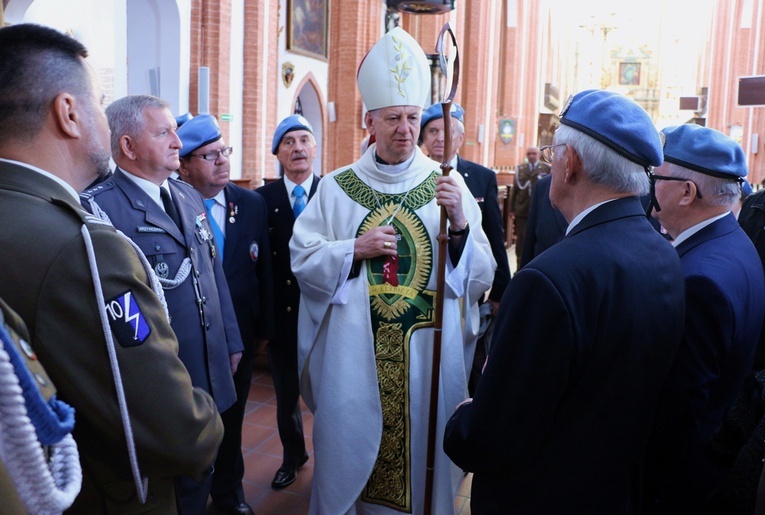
(695, 189)
(482, 183)
(585, 336)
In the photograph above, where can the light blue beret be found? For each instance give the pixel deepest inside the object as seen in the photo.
(180, 120)
(746, 188)
(293, 122)
(198, 132)
(704, 150)
(435, 112)
(616, 121)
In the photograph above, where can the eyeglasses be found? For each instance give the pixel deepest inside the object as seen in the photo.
(213, 156)
(547, 152)
(654, 177)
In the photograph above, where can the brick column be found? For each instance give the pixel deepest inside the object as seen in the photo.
(211, 46)
(354, 27)
(259, 91)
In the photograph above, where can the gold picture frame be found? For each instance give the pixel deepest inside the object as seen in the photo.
(307, 22)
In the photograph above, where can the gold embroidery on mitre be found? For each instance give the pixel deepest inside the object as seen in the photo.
(402, 68)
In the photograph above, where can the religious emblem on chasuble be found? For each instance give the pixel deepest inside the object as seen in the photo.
(400, 304)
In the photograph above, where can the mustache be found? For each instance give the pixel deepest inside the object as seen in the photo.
(299, 155)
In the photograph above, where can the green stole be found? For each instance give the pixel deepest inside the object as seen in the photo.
(397, 311)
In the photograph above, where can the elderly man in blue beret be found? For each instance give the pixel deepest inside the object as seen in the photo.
(695, 189)
(166, 218)
(482, 183)
(238, 218)
(295, 148)
(586, 333)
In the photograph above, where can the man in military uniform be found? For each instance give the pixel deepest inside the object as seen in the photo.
(526, 178)
(82, 289)
(168, 221)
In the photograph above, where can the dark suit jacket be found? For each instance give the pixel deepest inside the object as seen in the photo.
(207, 330)
(286, 289)
(725, 305)
(247, 263)
(585, 336)
(482, 183)
(546, 225)
(752, 221)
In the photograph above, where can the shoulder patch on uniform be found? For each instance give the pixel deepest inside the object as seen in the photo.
(127, 320)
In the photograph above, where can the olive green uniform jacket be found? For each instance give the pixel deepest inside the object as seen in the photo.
(48, 282)
(525, 180)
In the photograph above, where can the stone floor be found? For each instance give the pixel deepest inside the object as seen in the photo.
(263, 455)
(263, 451)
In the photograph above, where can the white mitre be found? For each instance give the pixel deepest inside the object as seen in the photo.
(395, 72)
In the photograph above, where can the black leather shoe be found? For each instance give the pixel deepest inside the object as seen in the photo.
(240, 509)
(287, 474)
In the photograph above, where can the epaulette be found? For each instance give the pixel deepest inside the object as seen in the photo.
(92, 219)
(179, 182)
(98, 188)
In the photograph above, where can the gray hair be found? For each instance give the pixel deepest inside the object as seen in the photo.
(126, 117)
(715, 191)
(603, 165)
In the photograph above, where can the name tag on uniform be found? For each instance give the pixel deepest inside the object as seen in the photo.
(150, 229)
(126, 320)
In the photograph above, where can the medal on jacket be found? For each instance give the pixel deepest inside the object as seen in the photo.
(204, 234)
(233, 211)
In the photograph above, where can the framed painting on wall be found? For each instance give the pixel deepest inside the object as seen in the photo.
(629, 74)
(307, 27)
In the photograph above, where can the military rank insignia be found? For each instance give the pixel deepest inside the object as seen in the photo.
(126, 320)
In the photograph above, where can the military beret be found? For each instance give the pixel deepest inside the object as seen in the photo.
(616, 121)
(436, 111)
(198, 132)
(180, 120)
(704, 150)
(294, 122)
(746, 188)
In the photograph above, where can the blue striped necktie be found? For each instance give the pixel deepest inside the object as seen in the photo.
(299, 204)
(220, 240)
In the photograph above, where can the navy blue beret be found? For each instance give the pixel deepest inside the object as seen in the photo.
(435, 112)
(616, 121)
(180, 120)
(198, 132)
(704, 150)
(294, 122)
